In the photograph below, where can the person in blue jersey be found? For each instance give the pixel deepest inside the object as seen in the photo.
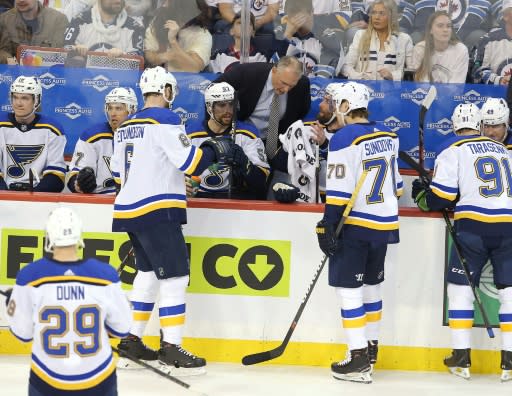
(152, 155)
(30, 142)
(495, 118)
(90, 166)
(246, 169)
(69, 308)
(474, 173)
(357, 255)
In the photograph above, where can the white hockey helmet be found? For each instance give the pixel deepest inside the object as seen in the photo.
(63, 228)
(155, 79)
(466, 115)
(331, 88)
(217, 92)
(495, 111)
(357, 95)
(122, 95)
(28, 85)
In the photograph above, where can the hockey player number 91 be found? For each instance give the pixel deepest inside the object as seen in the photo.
(489, 171)
(86, 319)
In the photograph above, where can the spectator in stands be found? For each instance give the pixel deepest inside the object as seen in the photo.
(244, 175)
(6, 5)
(319, 57)
(263, 10)
(90, 166)
(360, 17)
(70, 8)
(492, 63)
(28, 23)
(470, 18)
(381, 51)
(107, 28)
(440, 57)
(178, 44)
(138, 9)
(225, 57)
(31, 144)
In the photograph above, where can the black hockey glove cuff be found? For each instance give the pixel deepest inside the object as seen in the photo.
(219, 146)
(86, 180)
(285, 192)
(326, 235)
(238, 159)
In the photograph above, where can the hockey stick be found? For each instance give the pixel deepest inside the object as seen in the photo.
(125, 260)
(425, 177)
(425, 105)
(232, 135)
(276, 352)
(317, 173)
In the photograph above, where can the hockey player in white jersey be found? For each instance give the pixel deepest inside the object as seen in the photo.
(495, 117)
(30, 141)
(69, 308)
(90, 166)
(356, 257)
(474, 173)
(152, 153)
(246, 166)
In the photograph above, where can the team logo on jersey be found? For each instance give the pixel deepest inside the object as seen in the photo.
(48, 80)
(415, 96)
(201, 86)
(504, 68)
(185, 115)
(444, 126)
(22, 155)
(395, 124)
(457, 9)
(100, 83)
(471, 96)
(257, 5)
(74, 110)
(217, 178)
(109, 182)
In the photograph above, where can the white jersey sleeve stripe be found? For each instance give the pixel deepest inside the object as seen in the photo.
(149, 204)
(193, 159)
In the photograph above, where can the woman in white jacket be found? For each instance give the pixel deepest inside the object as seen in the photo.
(381, 51)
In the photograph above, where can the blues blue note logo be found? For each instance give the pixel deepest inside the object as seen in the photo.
(22, 155)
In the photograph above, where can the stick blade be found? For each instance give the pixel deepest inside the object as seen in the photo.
(261, 357)
(429, 97)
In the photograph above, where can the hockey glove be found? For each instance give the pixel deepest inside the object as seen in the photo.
(417, 187)
(326, 235)
(419, 194)
(238, 159)
(19, 186)
(285, 193)
(219, 146)
(85, 180)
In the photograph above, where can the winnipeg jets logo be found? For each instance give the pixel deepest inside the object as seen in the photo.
(22, 156)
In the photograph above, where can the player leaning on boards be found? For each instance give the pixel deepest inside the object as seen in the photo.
(356, 263)
(69, 308)
(90, 166)
(30, 141)
(246, 169)
(152, 153)
(477, 170)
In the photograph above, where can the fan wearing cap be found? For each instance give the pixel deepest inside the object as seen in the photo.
(30, 142)
(90, 166)
(68, 308)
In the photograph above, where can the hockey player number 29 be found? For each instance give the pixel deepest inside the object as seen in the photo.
(488, 170)
(85, 322)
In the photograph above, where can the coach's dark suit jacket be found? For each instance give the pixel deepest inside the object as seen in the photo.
(249, 79)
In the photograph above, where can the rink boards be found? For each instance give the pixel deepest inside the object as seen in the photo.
(251, 264)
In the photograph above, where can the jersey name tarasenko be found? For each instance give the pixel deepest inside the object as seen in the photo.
(352, 149)
(68, 310)
(479, 169)
(38, 146)
(151, 155)
(94, 149)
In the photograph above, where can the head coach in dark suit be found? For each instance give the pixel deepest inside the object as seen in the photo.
(256, 84)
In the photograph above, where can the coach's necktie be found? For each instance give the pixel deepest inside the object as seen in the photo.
(273, 128)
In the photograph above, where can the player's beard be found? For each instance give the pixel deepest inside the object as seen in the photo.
(323, 118)
(113, 9)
